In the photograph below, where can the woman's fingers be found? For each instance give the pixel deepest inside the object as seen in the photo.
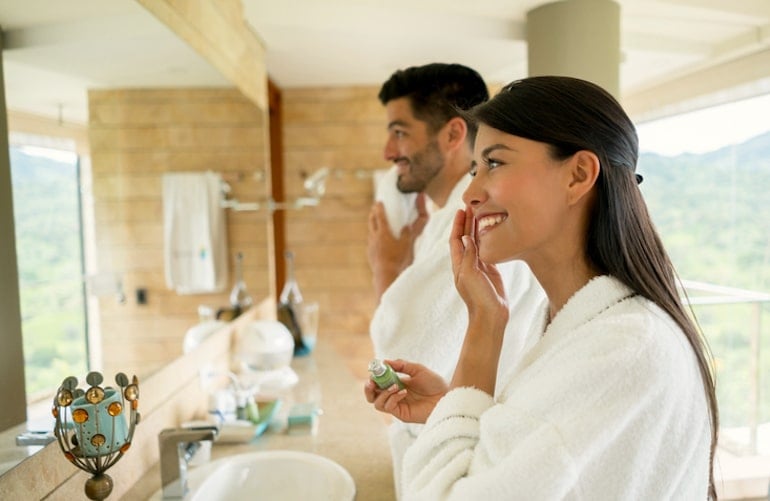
(382, 402)
(470, 223)
(387, 399)
(370, 391)
(458, 226)
(395, 396)
(405, 367)
(457, 241)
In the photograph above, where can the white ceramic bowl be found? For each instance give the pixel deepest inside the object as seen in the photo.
(280, 475)
(196, 334)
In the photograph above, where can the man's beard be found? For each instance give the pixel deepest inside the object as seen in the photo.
(423, 167)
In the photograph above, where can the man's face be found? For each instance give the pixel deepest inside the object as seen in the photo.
(412, 147)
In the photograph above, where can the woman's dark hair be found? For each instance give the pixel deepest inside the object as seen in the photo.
(437, 92)
(571, 115)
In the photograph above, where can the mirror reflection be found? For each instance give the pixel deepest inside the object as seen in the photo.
(87, 175)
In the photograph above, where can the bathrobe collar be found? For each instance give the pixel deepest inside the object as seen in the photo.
(598, 295)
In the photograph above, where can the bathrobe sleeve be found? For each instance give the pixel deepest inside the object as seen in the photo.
(439, 466)
(592, 415)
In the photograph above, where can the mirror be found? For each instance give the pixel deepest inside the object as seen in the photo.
(154, 106)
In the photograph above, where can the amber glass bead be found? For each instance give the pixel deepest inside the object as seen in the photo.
(80, 416)
(114, 409)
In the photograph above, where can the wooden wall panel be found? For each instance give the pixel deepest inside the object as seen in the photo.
(343, 129)
(136, 136)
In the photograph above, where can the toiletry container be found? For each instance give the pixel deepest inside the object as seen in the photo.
(265, 345)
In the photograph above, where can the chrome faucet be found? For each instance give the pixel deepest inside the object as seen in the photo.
(177, 448)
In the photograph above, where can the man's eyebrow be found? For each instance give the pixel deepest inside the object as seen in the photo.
(397, 123)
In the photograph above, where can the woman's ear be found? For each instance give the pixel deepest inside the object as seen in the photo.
(584, 170)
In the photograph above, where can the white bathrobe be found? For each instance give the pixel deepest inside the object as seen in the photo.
(608, 405)
(421, 317)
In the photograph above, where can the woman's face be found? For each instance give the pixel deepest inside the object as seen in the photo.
(518, 197)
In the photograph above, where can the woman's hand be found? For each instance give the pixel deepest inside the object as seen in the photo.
(478, 283)
(481, 287)
(423, 389)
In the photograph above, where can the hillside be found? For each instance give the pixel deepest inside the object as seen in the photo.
(713, 212)
(47, 226)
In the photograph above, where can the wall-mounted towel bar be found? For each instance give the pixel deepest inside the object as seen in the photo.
(314, 184)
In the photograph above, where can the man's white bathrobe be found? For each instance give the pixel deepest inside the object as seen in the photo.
(421, 317)
(609, 404)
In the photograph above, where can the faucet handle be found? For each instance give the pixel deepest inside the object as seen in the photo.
(177, 446)
(206, 427)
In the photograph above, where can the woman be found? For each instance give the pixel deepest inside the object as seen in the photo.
(615, 399)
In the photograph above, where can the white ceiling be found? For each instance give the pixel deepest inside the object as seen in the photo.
(55, 50)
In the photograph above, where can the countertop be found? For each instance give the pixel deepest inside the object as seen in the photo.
(349, 431)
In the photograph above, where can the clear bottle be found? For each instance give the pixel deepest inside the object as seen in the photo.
(240, 299)
(290, 293)
(383, 375)
(290, 306)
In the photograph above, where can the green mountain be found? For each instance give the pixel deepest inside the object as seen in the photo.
(713, 214)
(48, 247)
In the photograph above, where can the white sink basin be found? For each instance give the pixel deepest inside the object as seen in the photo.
(271, 475)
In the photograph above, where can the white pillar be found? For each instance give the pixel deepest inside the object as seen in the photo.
(577, 38)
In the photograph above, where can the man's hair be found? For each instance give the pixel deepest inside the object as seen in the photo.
(437, 92)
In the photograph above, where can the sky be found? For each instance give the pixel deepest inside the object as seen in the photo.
(706, 130)
(69, 157)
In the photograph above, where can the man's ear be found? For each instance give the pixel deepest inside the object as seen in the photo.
(456, 132)
(584, 168)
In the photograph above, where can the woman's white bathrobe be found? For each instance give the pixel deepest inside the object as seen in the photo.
(422, 318)
(609, 404)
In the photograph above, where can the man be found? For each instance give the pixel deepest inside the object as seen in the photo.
(420, 315)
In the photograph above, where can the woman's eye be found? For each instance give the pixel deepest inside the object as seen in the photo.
(491, 163)
(474, 169)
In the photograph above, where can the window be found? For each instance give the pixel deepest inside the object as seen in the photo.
(49, 247)
(707, 184)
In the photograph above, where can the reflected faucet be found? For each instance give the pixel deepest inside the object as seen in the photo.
(177, 448)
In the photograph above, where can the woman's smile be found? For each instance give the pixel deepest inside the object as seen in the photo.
(488, 221)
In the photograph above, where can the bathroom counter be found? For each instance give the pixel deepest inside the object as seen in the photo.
(349, 431)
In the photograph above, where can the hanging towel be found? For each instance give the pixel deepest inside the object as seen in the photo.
(399, 207)
(195, 244)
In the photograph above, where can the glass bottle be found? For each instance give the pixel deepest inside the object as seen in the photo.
(290, 293)
(240, 299)
(290, 306)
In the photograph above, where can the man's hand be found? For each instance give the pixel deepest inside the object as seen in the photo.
(389, 256)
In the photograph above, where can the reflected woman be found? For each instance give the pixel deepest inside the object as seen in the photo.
(616, 398)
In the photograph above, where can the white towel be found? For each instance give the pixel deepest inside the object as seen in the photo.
(195, 244)
(399, 207)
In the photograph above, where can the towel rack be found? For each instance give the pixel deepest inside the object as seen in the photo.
(314, 184)
(269, 204)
